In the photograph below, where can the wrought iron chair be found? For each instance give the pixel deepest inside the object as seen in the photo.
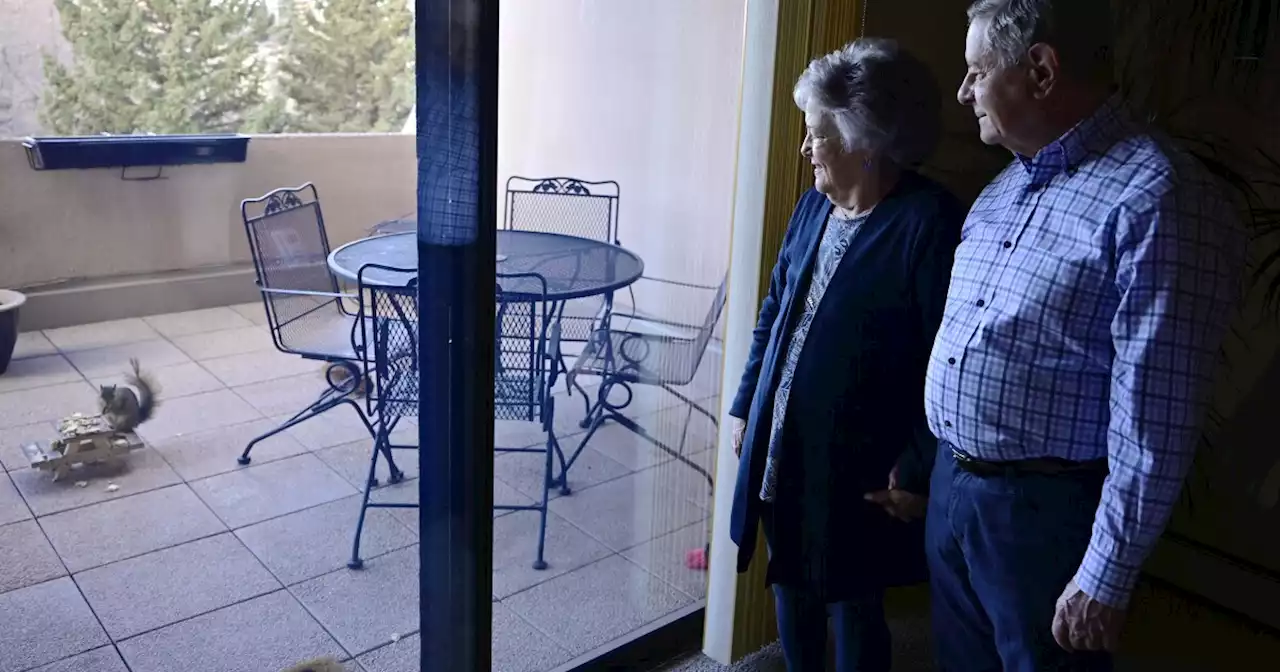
(573, 207)
(389, 351)
(634, 355)
(526, 366)
(307, 314)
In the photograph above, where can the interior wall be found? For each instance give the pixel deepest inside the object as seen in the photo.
(934, 31)
(89, 224)
(643, 92)
(1217, 94)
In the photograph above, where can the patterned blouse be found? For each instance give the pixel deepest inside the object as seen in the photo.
(836, 237)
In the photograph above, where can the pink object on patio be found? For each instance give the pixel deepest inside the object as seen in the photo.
(696, 559)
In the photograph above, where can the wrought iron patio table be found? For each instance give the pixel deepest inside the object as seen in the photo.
(573, 268)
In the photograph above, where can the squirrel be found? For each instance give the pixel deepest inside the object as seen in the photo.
(326, 664)
(341, 375)
(124, 409)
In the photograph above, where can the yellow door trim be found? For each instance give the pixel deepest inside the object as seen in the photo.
(740, 617)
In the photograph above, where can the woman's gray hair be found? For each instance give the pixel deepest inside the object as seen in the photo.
(881, 98)
(1078, 29)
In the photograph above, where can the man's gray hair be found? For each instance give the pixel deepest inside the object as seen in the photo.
(1079, 30)
(881, 98)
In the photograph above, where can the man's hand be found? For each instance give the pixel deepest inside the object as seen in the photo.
(903, 505)
(739, 427)
(1081, 623)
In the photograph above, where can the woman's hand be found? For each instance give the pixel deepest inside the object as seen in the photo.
(903, 505)
(739, 427)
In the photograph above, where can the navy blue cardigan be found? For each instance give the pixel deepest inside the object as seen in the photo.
(858, 391)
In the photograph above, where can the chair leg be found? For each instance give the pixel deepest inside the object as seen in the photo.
(684, 430)
(395, 474)
(360, 414)
(564, 371)
(601, 404)
(540, 563)
(602, 411)
(692, 404)
(572, 382)
(644, 434)
(355, 562)
(321, 405)
(563, 479)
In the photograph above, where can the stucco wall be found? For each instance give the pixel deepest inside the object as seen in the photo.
(90, 224)
(644, 92)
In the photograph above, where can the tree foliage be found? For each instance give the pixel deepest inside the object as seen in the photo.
(157, 66)
(347, 66)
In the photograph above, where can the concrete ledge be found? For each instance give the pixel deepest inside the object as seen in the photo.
(85, 301)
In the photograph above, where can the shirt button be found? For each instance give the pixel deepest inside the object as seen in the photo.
(946, 423)
(951, 360)
(1007, 244)
(981, 303)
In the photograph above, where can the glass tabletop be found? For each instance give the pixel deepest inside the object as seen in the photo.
(573, 267)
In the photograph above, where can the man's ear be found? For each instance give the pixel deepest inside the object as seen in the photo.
(1043, 68)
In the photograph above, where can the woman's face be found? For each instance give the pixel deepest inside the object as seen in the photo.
(835, 170)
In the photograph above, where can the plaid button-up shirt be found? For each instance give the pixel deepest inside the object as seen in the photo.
(1090, 293)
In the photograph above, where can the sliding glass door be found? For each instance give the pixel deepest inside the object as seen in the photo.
(576, 166)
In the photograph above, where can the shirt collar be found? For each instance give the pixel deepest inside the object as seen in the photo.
(1067, 152)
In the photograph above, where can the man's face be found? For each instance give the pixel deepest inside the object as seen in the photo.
(1000, 96)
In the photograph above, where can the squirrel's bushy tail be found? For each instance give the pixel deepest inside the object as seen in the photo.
(147, 391)
(326, 664)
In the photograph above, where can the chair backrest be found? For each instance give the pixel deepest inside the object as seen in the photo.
(385, 337)
(670, 360)
(563, 205)
(290, 252)
(708, 329)
(687, 358)
(524, 334)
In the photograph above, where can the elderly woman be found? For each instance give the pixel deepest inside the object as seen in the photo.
(829, 417)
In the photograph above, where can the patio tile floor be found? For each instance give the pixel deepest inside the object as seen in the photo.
(316, 541)
(193, 562)
(26, 558)
(43, 623)
(105, 659)
(150, 591)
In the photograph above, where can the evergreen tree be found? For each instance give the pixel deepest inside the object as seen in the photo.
(347, 66)
(157, 66)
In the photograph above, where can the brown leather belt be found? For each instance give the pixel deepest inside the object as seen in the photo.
(1045, 466)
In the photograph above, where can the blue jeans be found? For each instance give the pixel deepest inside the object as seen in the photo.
(862, 635)
(1000, 551)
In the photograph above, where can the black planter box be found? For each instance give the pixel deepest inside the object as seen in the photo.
(122, 151)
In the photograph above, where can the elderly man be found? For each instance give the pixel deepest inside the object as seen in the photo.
(1090, 292)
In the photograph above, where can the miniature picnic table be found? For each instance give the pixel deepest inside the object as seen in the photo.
(84, 440)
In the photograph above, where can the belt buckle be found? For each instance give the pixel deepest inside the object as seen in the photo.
(973, 465)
